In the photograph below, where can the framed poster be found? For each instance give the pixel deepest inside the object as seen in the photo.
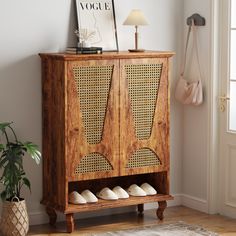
(97, 18)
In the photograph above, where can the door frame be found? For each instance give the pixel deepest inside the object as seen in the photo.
(213, 115)
(218, 21)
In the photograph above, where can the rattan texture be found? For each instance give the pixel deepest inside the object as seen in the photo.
(93, 162)
(143, 157)
(143, 84)
(93, 86)
(15, 221)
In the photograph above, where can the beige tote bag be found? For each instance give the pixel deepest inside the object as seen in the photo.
(186, 92)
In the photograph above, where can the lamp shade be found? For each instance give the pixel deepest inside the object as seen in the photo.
(135, 17)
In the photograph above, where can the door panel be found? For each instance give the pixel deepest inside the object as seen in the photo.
(143, 116)
(231, 175)
(232, 108)
(92, 119)
(227, 141)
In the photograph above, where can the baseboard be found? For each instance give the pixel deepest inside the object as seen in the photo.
(184, 200)
(194, 203)
(38, 218)
(176, 202)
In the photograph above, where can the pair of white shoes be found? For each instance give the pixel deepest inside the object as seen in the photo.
(144, 190)
(107, 194)
(85, 197)
(114, 194)
(88, 197)
(119, 193)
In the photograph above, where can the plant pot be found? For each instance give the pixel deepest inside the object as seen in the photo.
(15, 220)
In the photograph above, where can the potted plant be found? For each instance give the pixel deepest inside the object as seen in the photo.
(14, 220)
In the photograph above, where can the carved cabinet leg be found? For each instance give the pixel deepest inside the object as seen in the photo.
(140, 209)
(70, 224)
(52, 215)
(160, 210)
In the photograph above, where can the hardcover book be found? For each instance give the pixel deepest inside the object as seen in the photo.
(84, 50)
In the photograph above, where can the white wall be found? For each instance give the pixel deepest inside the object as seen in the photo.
(196, 126)
(28, 27)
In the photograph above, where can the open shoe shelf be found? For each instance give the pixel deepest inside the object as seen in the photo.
(103, 204)
(157, 180)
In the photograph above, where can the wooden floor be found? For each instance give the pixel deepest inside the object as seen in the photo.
(222, 225)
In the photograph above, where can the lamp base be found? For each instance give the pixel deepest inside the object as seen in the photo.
(136, 50)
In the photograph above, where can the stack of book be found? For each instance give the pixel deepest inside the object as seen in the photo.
(84, 50)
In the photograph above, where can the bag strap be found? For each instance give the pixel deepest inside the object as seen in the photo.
(196, 48)
(185, 51)
(193, 28)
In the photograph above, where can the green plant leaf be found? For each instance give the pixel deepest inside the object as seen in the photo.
(2, 147)
(2, 162)
(27, 183)
(32, 150)
(13, 176)
(4, 125)
(3, 195)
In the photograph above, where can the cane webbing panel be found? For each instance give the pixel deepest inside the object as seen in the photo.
(93, 162)
(143, 84)
(143, 157)
(93, 85)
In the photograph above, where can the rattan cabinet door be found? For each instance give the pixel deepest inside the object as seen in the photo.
(144, 120)
(92, 119)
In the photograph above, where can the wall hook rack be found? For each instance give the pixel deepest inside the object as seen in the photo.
(198, 20)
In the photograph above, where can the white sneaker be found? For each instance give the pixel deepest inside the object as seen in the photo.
(148, 189)
(76, 198)
(107, 194)
(135, 190)
(89, 196)
(120, 192)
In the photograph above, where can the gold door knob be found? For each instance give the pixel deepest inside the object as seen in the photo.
(222, 101)
(223, 98)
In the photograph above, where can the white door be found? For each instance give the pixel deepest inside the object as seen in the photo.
(227, 106)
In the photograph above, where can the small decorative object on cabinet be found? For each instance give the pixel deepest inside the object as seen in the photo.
(136, 18)
(105, 124)
(84, 36)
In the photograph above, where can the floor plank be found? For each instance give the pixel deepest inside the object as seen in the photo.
(222, 225)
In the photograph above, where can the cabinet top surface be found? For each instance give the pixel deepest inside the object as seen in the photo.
(107, 55)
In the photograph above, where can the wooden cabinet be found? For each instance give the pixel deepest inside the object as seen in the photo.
(105, 123)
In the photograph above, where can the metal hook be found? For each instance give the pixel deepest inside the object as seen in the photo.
(198, 20)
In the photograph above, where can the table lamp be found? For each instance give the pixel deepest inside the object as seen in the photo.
(136, 18)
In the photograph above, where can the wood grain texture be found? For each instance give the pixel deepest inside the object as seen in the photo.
(70, 224)
(159, 139)
(54, 175)
(65, 143)
(107, 55)
(160, 210)
(104, 204)
(77, 145)
(52, 215)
